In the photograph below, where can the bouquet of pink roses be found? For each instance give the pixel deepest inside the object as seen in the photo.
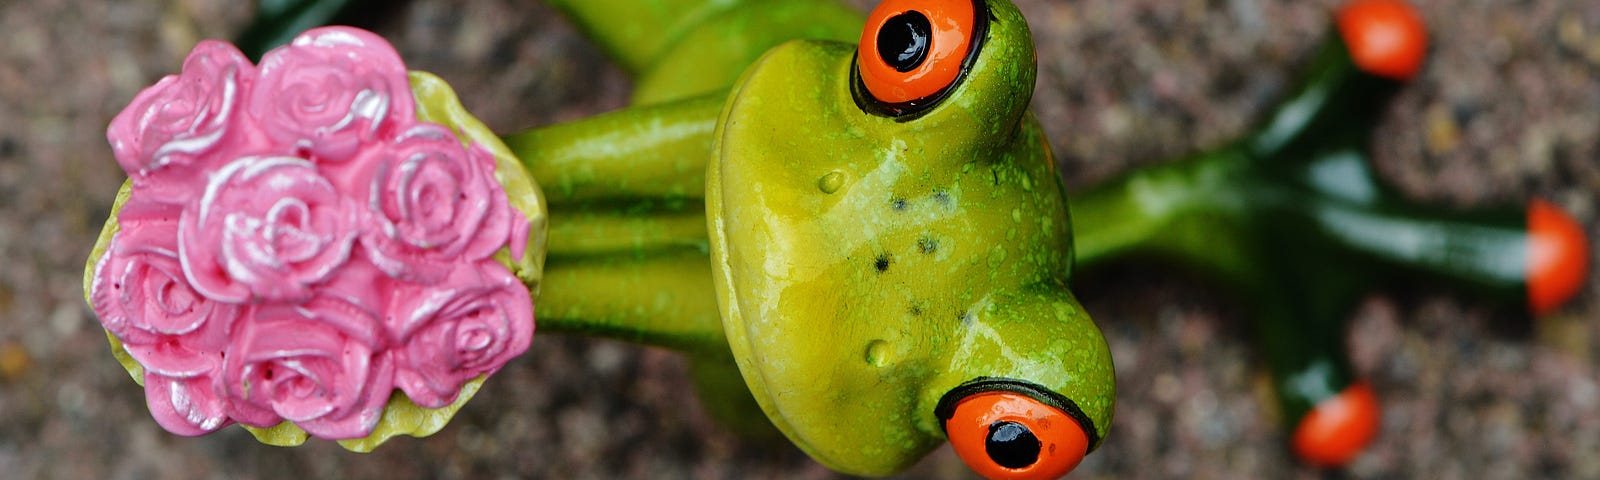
(297, 240)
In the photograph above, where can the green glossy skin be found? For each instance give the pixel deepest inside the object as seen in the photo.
(628, 241)
(962, 204)
(867, 265)
(684, 48)
(1290, 216)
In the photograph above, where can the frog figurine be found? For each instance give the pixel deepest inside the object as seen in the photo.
(888, 237)
(869, 245)
(1291, 216)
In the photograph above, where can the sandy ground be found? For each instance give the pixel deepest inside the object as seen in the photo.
(1508, 107)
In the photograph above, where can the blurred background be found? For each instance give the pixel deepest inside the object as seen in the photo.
(1508, 106)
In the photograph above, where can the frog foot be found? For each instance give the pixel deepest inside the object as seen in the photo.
(1558, 257)
(1338, 428)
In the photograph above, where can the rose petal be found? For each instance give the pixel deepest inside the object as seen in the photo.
(453, 335)
(186, 406)
(330, 91)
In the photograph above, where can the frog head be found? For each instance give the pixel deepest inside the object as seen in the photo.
(891, 249)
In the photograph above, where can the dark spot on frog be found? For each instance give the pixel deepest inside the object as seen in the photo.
(882, 262)
(915, 309)
(966, 318)
(927, 245)
(942, 197)
(898, 204)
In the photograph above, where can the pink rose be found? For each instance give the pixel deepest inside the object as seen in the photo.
(452, 335)
(267, 228)
(436, 204)
(181, 118)
(235, 280)
(186, 406)
(140, 294)
(309, 364)
(331, 90)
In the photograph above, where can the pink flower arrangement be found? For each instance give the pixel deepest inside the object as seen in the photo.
(296, 244)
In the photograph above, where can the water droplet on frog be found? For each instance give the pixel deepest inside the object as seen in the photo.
(877, 353)
(831, 182)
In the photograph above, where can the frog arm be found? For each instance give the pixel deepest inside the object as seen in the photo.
(634, 32)
(662, 299)
(710, 56)
(628, 244)
(682, 48)
(657, 151)
(627, 250)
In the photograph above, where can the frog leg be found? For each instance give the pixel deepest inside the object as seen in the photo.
(704, 42)
(1295, 219)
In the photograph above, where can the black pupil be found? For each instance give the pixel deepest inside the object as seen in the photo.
(1012, 445)
(903, 40)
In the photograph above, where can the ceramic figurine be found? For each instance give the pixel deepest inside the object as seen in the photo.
(1290, 216)
(852, 226)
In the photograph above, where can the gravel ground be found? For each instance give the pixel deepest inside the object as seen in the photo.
(1508, 106)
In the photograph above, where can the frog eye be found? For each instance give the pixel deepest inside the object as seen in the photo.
(1007, 434)
(913, 51)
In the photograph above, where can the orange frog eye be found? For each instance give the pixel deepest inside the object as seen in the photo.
(1008, 434)
(913, 51)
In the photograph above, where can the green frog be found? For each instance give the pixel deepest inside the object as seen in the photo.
(1291, 216)
(878, 240)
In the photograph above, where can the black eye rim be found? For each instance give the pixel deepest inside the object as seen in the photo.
(947, 404)
(911, 110)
